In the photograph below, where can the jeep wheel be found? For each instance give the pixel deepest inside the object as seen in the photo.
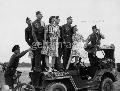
(107, 85)
(56, 87)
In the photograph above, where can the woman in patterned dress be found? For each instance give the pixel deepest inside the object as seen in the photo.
(52, 34)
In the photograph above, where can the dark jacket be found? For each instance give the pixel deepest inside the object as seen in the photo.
(66, 33)
(28, 35)
(39, 28)
(95, 39)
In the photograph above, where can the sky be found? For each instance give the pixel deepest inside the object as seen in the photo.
(86, 13)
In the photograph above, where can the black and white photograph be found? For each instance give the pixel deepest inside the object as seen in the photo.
(59, 45)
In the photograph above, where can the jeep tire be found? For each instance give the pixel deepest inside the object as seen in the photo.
(56, 87)
(106, 85)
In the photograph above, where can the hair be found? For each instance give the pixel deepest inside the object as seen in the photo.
(27, 19)
(50, 19)
(16, 47)
(57, 17)
(70, 17)
(38, 12)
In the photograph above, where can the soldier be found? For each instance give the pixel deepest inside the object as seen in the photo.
(94, 40)
(29, 39)
(67, 32)
(38, 34)
(13, 64)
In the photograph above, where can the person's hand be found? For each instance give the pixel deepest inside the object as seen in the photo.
(98, 31)
(30, 49)
(37, 44)
(85, 45)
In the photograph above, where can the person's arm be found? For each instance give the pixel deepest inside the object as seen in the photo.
(33, 32)
(102, 36)
(87, 41)
(62, 33)
(22, 53)
(45, 33)
(82, 38)
(27, 37)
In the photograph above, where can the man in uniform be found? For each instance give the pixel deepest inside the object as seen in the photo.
(38, 28)
(94, 40)
(67, 32)
(38, 34)
(29, 39)
(13, 64)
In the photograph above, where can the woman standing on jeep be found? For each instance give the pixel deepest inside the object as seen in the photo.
(78, 47)
(52, 33)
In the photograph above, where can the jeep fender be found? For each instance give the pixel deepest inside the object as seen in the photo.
(68, 81)
(105, 73)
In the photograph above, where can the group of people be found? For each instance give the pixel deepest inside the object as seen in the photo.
(50, 43)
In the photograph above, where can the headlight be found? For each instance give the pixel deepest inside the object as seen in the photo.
(100, 54)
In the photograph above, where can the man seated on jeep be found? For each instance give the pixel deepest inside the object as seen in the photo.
(92, 45)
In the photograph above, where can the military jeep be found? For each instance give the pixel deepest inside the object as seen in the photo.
(78, 79)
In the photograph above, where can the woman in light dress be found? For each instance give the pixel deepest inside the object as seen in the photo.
(52, 33)
(78, 51)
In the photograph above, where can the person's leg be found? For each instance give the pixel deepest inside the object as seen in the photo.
(38, 60)
(58, 59)
(32, 63)
(9, 78)
(57, 64)
(76, 60)
(66, 56)
(33, 60)
(91, 59)
(47, 61)
(43, 62)
(53, 61)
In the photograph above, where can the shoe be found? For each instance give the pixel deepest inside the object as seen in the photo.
(89, 77)
(49, 69)
(61, 70)
(54, 70)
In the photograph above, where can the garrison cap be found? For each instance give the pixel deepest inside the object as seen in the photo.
(27, 18)
(70, 17)
(38, 12)
(94, 27)
(16, 47)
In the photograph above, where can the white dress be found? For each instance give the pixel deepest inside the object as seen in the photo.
(78, 46)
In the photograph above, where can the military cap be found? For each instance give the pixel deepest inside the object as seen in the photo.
(27, 18)
(16, 47)
(69, 17)
(38, 12)
(94, 27)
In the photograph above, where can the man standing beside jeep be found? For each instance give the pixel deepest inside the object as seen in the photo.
(94, 40)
